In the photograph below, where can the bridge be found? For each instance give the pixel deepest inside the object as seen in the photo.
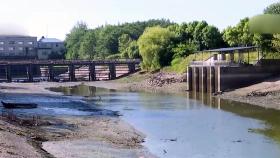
(66, 70)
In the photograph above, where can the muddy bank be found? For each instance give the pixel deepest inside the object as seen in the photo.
(68, 136)
(265, 94)
(98, 136)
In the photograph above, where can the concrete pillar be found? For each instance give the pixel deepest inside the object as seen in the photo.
(190, 76)
(131, 68)
(195, 79)
(30, 72)
(202, 79)
(8, 73)
(217, 79)
(71, 69)
(51, 73)
(92, 74)
(112, 71)
(210, 80)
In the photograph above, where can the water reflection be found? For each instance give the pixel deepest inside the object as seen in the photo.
(270, 117)
(204, 126)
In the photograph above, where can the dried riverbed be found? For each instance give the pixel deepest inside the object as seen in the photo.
(101, 136)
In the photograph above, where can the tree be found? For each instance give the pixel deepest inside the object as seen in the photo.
(231, 36)
(107, 40)
(73, 40)
(124, 42)
(88, 46)
(273, 9)
(184, 49)
(239, 35)
(154, 47)
(133, 50)
(128, 48)
(211, 37)
(275, 39)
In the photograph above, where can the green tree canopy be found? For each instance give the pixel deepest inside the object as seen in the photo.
(273, 9)
(239, 35)
(105, 39)
(154, 47)
(73, 40)
(88, 46)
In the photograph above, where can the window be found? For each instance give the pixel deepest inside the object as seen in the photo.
(1, 48)
(20, 42)
(30, 48)
(30, 42)
(20, 48)
(56, 45)
(11, 48)
(1, 42)
(12, 42)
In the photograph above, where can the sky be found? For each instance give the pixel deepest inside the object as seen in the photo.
(55, 18)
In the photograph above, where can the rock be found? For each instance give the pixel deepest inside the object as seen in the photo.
(257, 94)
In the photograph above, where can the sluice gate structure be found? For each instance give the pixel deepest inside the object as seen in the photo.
(65, 70)
(227, 69)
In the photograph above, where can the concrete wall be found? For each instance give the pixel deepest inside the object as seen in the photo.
(215, 79)
(237, 77)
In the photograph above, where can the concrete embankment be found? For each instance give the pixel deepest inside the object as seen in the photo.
(265, 94)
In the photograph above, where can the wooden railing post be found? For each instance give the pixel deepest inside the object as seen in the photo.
(30, 72)
(92, 75)
(112, 71)
(8, 73)
(131, 68)
(71, 69)
(51, 73)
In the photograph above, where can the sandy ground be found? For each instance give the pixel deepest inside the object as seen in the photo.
(13, 143)
(265, 94)
(98, 137)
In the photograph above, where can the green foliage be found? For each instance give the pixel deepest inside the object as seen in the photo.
(154, 47)
(239, 35)
(180, 65)
(133, 50)
(124, 42)
(275, 39)
(273, 9)
(184, 49)
(103, 41)
(73, 40)
(114, 56)
(88, 46)
(194, 36)
(128, 48)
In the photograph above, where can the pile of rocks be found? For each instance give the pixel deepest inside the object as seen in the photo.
(162, 79)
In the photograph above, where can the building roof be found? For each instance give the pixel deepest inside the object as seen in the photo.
(50, 40)
(231, 49)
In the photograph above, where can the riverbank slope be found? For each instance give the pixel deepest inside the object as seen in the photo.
(265, 94)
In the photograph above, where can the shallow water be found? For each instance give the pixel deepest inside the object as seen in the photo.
(193, 125)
